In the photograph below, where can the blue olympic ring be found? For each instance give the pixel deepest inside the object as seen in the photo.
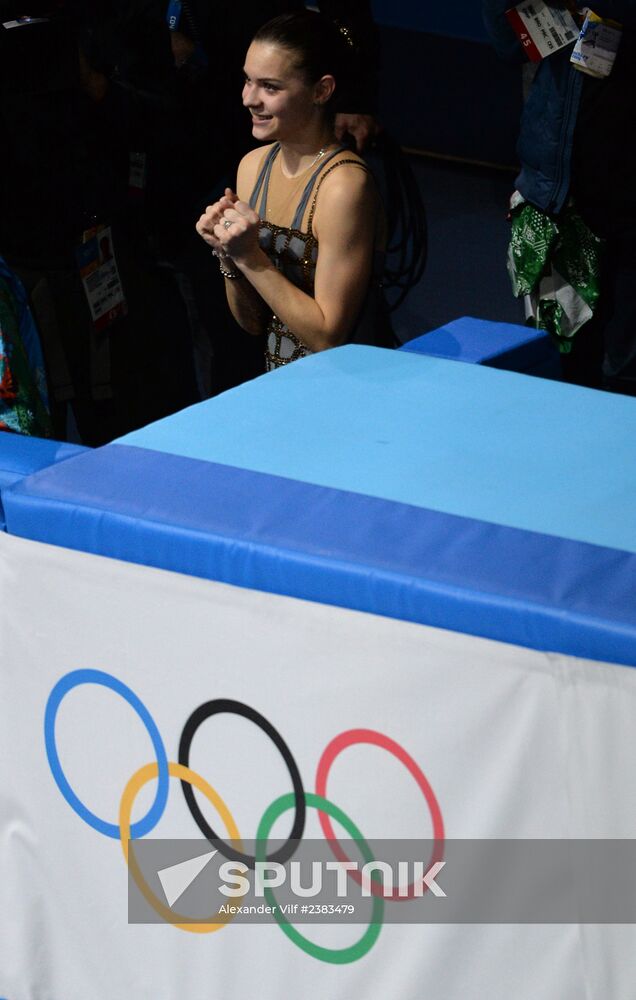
(63, 686)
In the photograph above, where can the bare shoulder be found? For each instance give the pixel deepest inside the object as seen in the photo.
(249, 169)
(347, 191)
(346, 177)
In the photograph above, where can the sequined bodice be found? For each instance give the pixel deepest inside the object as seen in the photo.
(291, 250)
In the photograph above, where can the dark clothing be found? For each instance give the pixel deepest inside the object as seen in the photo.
(64, 168)
(602, 158)
(575, 142)
(604, 349)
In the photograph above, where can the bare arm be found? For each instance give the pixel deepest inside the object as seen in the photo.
(247, 306)
(345, 227)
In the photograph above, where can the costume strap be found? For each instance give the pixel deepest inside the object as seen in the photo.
(262, 181)
(304, 201)
(334, 166)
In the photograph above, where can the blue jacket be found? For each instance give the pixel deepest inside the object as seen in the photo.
(549, 116)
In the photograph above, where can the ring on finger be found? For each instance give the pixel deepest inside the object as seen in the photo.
(227, 223)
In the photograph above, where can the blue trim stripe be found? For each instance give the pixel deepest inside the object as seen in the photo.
(322, 544)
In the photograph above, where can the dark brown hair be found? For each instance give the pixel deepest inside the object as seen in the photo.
(318, 46)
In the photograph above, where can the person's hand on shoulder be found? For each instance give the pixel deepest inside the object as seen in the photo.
(183, 48)
(363, 128)
(93, 83)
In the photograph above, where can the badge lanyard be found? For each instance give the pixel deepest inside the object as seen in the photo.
(173, 14)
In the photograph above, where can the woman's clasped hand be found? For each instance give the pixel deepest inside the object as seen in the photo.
(231, 227)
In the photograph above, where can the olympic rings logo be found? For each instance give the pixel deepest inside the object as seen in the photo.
(162, 770)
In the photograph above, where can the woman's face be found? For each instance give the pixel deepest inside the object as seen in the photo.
(279, 99)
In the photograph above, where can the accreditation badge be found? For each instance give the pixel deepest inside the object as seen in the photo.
(136, 173)
(542, 28)
(100, 276)
(597, 45)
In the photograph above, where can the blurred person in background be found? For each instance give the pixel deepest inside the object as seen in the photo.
(23, 393)
(114, 332)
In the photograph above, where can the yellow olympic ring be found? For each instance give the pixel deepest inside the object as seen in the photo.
(136, 783)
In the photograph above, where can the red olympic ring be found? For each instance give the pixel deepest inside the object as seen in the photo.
(348, 739)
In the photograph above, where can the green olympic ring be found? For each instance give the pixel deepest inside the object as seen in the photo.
(340, 956)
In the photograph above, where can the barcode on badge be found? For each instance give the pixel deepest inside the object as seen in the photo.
(542, 29)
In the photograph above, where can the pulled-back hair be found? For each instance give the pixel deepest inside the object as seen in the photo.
(318, 46)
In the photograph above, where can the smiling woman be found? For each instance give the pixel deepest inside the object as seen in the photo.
(305, 229)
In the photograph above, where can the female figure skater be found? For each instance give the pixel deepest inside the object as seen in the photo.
(299, 242)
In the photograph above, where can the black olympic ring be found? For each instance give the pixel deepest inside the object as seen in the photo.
(215, 707)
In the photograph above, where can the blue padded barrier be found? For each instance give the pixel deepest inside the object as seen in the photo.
(347, 549)
(498, 345)
(20, 456)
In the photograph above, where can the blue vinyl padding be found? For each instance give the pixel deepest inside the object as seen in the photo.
(499, 345)
(336, 547)
(461, 439)
(21, 455)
